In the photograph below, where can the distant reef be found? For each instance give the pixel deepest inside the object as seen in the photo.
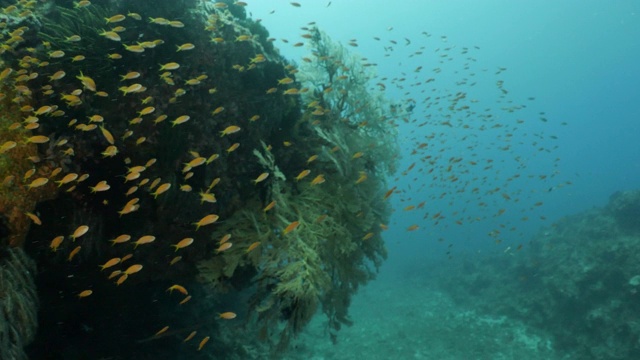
(578, 280)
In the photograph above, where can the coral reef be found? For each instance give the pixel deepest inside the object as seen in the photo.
(160, 121)
(577, 281)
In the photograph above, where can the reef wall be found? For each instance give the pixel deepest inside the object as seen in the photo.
(182, 168)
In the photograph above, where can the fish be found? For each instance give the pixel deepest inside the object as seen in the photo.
(183, 244)
(120, 239)
(115, 18)
(100, 186)
(203, 342)
(85, 293)
(318, 180)
(180, 120)
(147, 239)
(302, 174)
(180, 288)
(270, 206)
(113, 262)
(261, 177)
(185, 47)
(87, 82)
(294, 225)
(229, 130)
(161, 189)
(56, 242)
(38, 183)
(224, 247)
(133, 269)
(228, 315)
(67, 179)
(253, 246)
(36, 220)
(130, 76)
(74, 252)
(207, 220)
(80, 231)
(37, 139)
(162, 331)
(169, 66)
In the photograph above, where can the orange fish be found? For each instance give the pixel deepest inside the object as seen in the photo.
(227, 315)
(183, 243)
(85, 293)
(202, 343)
(270, 206)
(73, 253)
(290, 227)
(193, 333)
(180, 288)
(223, 247)
(133, 269)
(253, 246)
(162, 331)
(207, 220)
(144, 240)
(302, 174)
(110, 263)
(229, 130)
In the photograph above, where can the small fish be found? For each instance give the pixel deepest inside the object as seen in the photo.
(133, 269)
(87, 82)
(227, 315)
(224, 247)
(253, 246)
(270, 206)
(184, 47)
(115, 18)
(38, 139)
(207, 220)
(190, 336)
(290, 227)
(122, 279)
(180, 120)
(162, 331)
(85, 293)
(73, 253)
(161, 189)
(38, 182)
(203, 342)
(318, 180)
(180, 288)
(261, 177)
(169, 66)
(67, 179)
(120, 239)
(147, 239)
(36, 220)
(81, 230)
(302, 174)
(110, 263)
(101, 186)
(183, 244)
(56, 242)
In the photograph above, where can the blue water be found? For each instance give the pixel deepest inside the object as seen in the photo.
(573, 64)
(578, 59)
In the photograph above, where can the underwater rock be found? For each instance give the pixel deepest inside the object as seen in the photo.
(576, 280)
(625, 207)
